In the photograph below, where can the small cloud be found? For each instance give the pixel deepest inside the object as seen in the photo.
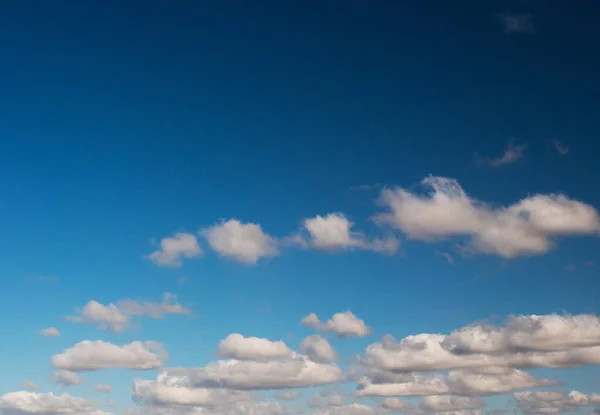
(561, 148)
(449, 258)
(517, 23)
(103, 388)
(67, 378)
(590, 263)
(49, 332)
(570, 268)
(174, 249)
(512, 154)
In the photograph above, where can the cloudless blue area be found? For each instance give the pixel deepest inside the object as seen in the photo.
(124, 121)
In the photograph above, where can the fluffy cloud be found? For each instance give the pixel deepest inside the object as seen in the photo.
(437, 403)
(550, 341)
(334, 231)
(286, 395)
(117, 317)
(457, 382)
(512, 154)
(296, 372)
(554, 402)
(21, 403)
(343, 324)
(50, 332)
(318, 349)
(524, 228)
(239, 347)
(243, 242)
(174, 249)
(97, 355)
(67, 378)
(167, 391)
(103, 388)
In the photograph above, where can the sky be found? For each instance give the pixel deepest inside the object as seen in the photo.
(334, 207)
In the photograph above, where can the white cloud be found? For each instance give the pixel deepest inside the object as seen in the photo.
(103, 388)
(21, 403)
(286, 395)
(168, 391)
(50, 332)
(117, 317)
(243, 242)
(554, 402)
(239, 347)
(298, 371)
(343, 324)
(317, 348)
(517, 23)
(457, 382)
(30, 386)
(174, 249)
(97, 355)
(325, 400)
(524, 228)
(334, 232)
(67, 378)
(437, 403)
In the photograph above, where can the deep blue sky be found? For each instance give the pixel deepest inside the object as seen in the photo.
(121, 122)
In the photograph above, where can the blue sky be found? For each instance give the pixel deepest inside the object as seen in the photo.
(413, 167)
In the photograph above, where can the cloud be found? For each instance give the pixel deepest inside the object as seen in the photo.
(560, 147)
(30, 386)
(20, 403)
(97, 355)
(117, 317)
(67, 378)
(174, 249)
(318, 349)
(334, 232)
(457, 382)
(523, 228)
(167, 391)
(517, 23)
(343, 324)
(298, 371)
(49, 332)
(437, 403)
(554, 402)
(324, 399)
(286, 395)
(243, 242)
(512, 154)
(350, 409)
(103, 388)
(239, 347)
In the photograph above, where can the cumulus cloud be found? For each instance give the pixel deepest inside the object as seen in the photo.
(350, 409)
(344, 324)
(286, 395)
(298, 371)
(97, 355)
(239, 347)
(103, 388)
(317, 348)
(334, 232)
(50, 332)
(457, 382)
(517, 23)
(243, 242)
(67, 378)
(117, 317)
(554, 402)
(173, 249)
(21, 403)
(524, 228)
(325, 400)
(437, 403)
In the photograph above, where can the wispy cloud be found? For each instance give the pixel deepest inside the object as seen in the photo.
(561, 148)
(512, 154)
(517, 23)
